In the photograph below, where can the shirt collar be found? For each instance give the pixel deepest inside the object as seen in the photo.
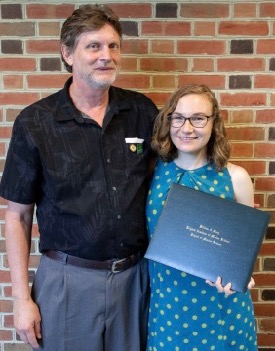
(66, 110)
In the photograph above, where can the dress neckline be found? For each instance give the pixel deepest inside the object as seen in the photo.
(207, 165)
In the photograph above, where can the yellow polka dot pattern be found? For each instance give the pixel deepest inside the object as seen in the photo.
(185, 313)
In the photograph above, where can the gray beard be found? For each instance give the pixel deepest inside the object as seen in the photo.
(101, 84)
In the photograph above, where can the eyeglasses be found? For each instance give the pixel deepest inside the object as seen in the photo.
(198, 121)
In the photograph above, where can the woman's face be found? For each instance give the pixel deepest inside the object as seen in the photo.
(190, 139)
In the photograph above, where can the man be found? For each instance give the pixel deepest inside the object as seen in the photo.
(80, 156)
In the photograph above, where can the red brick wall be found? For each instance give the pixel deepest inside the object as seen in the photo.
(228, 45)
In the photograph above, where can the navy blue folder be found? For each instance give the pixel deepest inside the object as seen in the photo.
(207, 236)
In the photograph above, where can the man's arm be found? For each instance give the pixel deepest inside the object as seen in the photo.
(18, 227)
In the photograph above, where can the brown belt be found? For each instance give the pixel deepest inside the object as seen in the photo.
(115, 266)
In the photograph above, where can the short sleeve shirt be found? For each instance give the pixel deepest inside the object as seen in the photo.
(88, 182)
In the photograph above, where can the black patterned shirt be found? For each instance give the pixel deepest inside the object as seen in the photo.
(89, 185)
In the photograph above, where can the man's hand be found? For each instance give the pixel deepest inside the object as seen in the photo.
(27, 321)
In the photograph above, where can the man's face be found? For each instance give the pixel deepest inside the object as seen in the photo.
(96, 58)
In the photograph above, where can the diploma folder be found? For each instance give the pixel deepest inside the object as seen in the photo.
(207, 236)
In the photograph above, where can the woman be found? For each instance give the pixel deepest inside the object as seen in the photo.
(187, 312)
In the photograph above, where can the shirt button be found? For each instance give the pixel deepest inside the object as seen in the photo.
(121, 244)
(108, 160)
(118, 216)
(114, 188)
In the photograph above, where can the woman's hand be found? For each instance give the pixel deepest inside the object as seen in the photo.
(222, 289)
(251, 284)
(227, 288)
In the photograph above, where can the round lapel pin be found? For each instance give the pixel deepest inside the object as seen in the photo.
(133, 148)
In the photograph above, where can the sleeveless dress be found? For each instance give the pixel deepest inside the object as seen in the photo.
(186, 314)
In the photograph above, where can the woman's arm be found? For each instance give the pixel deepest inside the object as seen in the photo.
(242, 185)
(244, 194)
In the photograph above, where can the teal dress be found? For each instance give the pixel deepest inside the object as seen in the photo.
(186, 314)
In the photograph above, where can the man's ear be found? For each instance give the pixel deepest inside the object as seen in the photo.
(66, 54)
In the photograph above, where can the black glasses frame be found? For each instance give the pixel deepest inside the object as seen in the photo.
(170, 115)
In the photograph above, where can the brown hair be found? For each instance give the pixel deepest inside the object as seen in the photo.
(85, 19)
(218, 148)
